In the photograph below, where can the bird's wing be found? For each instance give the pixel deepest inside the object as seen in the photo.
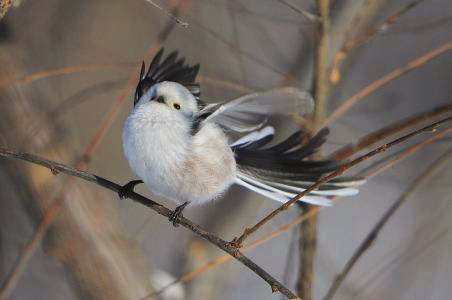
(251, 111)
(171, 68)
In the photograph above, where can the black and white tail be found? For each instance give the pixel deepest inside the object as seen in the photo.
(280, 172)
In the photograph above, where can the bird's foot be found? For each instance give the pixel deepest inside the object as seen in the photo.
(126, 189)
(177, 213)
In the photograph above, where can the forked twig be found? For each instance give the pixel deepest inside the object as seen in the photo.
(354, 42)
(55, 167)
(249, 231)
(368, 140)
(390, 162)
(377, 84)
(169, 14)
(310, 16)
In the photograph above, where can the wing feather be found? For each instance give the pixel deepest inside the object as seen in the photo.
(251, 111)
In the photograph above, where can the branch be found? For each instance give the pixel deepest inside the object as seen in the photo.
(160, 209)
(354, 42)
(169, 14)
(301, 218)
(27, 79)
(311, 17)
(61, 71)
(387, 131)
(371, 88)
(237, 242)
(373, 234)
(308, 231)
(387, 163)
(321, 63)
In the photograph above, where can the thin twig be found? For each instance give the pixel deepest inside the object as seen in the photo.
(249, 231)
(373, 234)
(286, 278)
(384, 165)
(311, 17)
(376, 136)
(160, 209)
(61, 71)
(377, 84)
(27, 79)
(361, 39)
(225, 84)
(169, 14)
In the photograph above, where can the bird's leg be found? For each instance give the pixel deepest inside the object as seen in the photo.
(126, 189)
(177, 213)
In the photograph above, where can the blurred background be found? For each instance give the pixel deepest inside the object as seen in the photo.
(68, 70)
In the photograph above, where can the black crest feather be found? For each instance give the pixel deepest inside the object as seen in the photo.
(171, 68)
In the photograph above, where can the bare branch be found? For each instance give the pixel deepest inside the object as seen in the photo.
(61, 71)
(377, 84)
(365, 37)
(387, 163)
(376, 136)
(160, 209)
(373, 234)
(311, 17)
(169, 14)
(249, 231)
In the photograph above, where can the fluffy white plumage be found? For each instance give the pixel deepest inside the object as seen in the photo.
(178, 147)
(175, 163)
(170, 161)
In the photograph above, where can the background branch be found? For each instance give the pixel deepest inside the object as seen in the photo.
(356, 41)
(373, 234)
(376, 136)
(391, 76)
(308, 230)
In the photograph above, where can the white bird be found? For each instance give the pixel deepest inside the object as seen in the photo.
(179, 148)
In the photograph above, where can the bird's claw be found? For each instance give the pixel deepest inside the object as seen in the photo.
(126, 189)
(176, 214)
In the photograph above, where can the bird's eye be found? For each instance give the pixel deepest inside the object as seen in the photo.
(161, 99)
(176, 106)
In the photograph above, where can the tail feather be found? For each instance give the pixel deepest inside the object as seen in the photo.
(276, 194)
(281, 172)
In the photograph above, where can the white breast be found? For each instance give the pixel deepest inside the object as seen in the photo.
(174, 164)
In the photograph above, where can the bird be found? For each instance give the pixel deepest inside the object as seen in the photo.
(181, 147)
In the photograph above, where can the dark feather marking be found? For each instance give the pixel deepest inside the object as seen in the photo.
(171, 69)
(287, 159)
(196, 125)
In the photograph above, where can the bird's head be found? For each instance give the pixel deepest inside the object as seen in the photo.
(168, 102)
